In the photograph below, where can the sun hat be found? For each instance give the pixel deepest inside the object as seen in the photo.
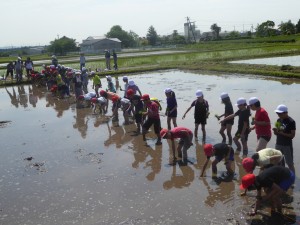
(208, 149)
(241, 101)
(163, 132)
(248, 164)
(168, 90)
(108, 78)
(199, 93)
(281, 109)
(224, 95)
(145, 97)
(131, 83)
(247, 181)
(253, 100)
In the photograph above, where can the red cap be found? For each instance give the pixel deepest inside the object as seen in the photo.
(145, 97)
(247, 181)
(102, 93)
(114, 99)
(163, 132)
(208, 149)
(130, 92)
(94, 100)
(248, 164)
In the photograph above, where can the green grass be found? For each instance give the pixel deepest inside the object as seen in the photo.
(208, 56)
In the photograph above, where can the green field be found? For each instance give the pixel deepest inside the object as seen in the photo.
(205, 56)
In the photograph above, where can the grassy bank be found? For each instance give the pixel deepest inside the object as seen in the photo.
(208, 56)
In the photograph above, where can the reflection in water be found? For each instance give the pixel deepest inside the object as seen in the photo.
(222, 193)
(32, 97)
(23, 98)
(13, 97)
(81, 121)
(180, 180)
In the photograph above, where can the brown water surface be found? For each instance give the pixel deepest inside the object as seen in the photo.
(63, 165)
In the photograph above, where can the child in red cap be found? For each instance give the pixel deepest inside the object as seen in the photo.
(220, 151)
(275, 180)
(152, 119)
(185, 142)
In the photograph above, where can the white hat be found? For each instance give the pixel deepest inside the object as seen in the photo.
(253, 100)
(199, 93)
(108, 78)
(125, 78)
(281, 109)
(168, 90)
(241, 101)
(131, 83)
(19, 58)
(77, 72)
(224, 95)
(83, 69)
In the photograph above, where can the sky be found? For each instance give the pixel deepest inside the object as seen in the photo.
(37, 22)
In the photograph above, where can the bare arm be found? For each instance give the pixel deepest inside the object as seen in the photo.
(204, 167)
(186, 112)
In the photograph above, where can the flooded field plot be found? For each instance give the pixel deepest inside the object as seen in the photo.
(65, 165)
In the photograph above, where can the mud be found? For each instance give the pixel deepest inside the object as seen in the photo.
(64, 165)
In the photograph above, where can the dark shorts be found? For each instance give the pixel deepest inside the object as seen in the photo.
(200, 120)
(230, 122)
(231, 156)
(173, 114)
(149, 122)
(238, 134)
(267, 138)
(138, 117)
(285, 185)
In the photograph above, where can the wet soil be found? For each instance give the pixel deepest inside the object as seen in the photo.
(64, 165)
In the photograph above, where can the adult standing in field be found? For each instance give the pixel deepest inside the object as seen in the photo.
(261, 122)
(19, 69)
(82, 60)
(29, 67)
(54, 61)
(107, 59)
(285, 131)
(115, 57)
(226, 125)
(10, 70)
(201, 113)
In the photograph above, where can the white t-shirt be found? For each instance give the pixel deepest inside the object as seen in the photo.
(265, 154)
(89, 96)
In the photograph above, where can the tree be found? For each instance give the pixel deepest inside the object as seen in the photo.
(298, 27)
(287, 28)
(117, 32)
(62, 45)
(266, 29)
(152, 36)
(234, 34)
(214, 28)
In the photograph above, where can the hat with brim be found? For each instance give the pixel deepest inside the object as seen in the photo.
(145, 97)
(281, 109)
(163, 132)
(199, 93)
(253, 100)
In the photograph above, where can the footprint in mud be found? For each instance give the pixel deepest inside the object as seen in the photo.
(4, 123)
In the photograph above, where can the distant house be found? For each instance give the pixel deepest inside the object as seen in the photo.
(97, 45)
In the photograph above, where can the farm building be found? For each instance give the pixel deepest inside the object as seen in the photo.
(96, 45)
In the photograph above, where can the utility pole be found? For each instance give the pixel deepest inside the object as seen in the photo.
(191, 26)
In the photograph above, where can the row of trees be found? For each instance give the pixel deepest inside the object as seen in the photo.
(131, 39)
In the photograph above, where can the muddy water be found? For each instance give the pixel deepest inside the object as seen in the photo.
(63, 165)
